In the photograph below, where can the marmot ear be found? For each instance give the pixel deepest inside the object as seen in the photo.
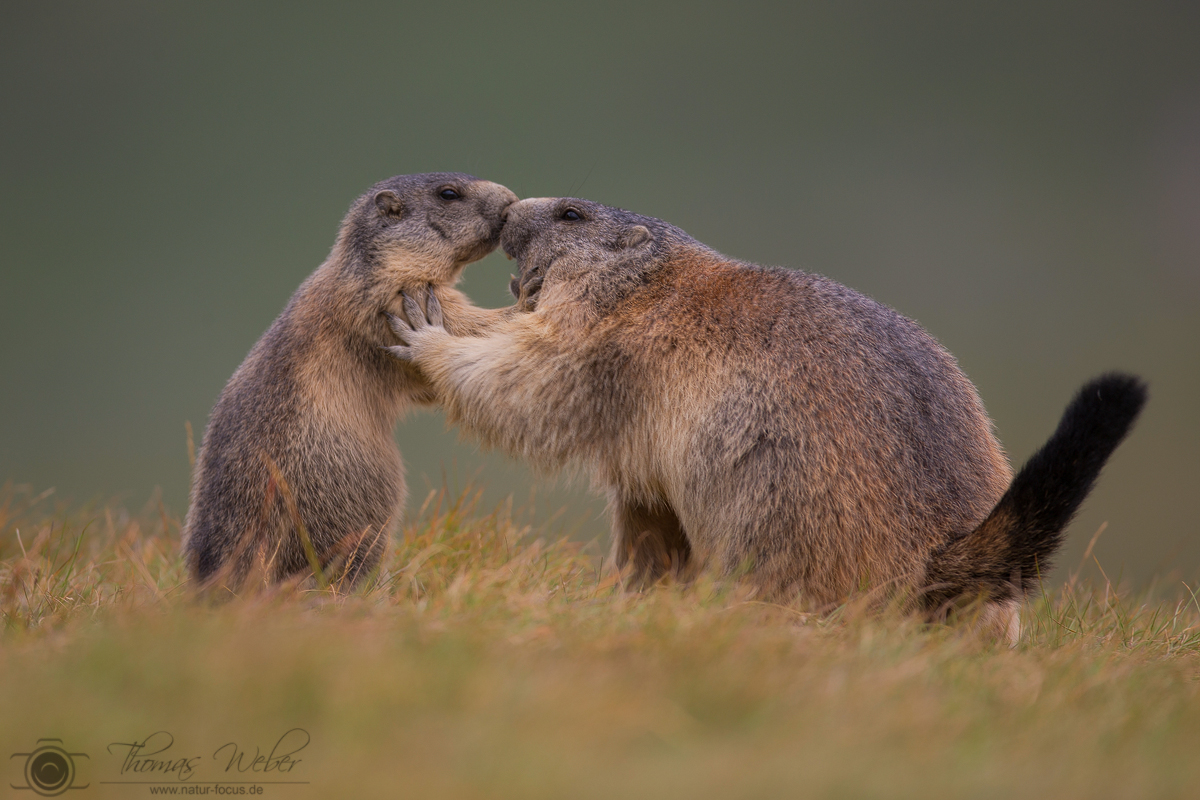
(638, 234)
(389, 205)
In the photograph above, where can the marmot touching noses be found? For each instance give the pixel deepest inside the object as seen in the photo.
(760, 419)
(298, 467)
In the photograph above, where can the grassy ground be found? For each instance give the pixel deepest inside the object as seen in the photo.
(489, 661)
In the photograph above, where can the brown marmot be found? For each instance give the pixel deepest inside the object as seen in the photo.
(760, 419)
(300, 443)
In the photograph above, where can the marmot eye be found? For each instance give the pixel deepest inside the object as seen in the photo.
(449, 194)
(571, 214)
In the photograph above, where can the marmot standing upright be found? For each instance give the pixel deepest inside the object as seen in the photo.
(300, 443)
(760, 418)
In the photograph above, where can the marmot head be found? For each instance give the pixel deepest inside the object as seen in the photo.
(416, 229)
(575, 248)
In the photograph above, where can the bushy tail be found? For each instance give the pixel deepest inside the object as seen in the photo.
(1006, 553)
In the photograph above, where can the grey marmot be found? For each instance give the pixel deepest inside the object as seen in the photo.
(760, 419)
(298, 466)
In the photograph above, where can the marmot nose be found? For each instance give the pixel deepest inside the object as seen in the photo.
(520, 209)
(513, 236)
(504, 196)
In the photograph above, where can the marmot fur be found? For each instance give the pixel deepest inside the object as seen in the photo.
(300, 443)
(760, 419)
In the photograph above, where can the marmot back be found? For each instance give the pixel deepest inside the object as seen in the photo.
(298, 468)
(757, 419)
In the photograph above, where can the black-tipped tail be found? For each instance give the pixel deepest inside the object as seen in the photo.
(1017, 540)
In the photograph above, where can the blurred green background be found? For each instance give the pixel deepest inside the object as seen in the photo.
(1023, 179)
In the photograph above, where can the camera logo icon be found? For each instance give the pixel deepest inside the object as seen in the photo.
(49, 769)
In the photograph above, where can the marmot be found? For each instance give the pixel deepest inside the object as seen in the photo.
(760, 419)
(300, 443)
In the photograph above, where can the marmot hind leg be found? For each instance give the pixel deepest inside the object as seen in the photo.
(365, 553)
(648, 542)
(343, 562)
(223, 566)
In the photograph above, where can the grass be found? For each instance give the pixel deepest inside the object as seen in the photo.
(489, 659)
